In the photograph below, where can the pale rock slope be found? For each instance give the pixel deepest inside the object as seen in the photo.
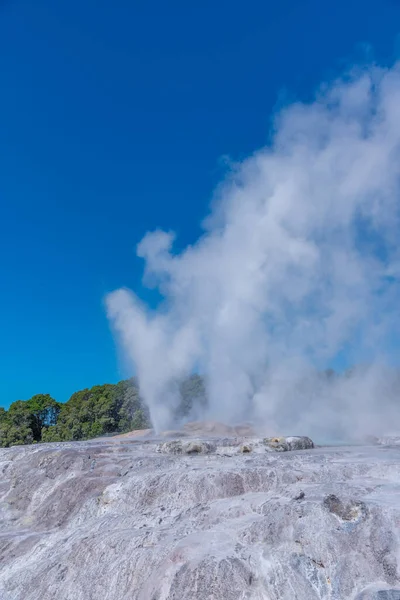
(200, 517)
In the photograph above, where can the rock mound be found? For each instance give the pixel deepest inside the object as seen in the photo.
(189, 447)
(284, 444)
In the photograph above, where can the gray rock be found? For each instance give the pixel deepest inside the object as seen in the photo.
(172, 447)
(198, 447)
(187, 447)
(284, 444)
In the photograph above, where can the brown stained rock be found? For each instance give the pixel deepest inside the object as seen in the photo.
(351, 510)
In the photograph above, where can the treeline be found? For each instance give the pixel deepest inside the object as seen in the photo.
(101, 410)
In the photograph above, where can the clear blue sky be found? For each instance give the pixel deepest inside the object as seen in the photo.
(113, 120)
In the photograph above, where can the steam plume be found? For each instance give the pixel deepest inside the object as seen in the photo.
(297, 268)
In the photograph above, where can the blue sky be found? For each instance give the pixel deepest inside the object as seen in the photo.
(114, 118)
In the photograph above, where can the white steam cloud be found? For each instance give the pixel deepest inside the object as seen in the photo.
(298, 266)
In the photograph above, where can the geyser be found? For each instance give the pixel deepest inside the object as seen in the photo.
(297, 270)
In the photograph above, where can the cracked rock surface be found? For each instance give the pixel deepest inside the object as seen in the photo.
(237, 518)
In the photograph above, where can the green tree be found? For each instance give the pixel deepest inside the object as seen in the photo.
(24, 421)
(88, 413)
(100, 410)
(133, 413)
(44, 411)
(15, 425)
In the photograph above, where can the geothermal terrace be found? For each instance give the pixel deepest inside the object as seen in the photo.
(210, 512)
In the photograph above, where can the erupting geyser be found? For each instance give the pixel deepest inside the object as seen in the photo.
(297, 269)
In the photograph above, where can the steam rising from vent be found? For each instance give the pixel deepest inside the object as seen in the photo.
(297, 269)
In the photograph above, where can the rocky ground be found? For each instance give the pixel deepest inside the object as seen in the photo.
(200, 516)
